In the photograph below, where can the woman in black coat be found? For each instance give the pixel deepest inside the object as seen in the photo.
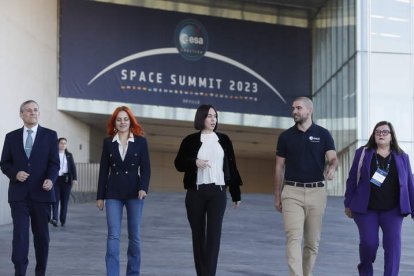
(208, 162)
(67, 178)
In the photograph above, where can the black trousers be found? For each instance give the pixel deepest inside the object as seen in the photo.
(62, 194)
(24, 214)
(205, 210)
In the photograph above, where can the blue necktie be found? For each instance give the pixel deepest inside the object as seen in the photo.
(29, 143)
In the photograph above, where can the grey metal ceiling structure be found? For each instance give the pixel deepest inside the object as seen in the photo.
(310, 7)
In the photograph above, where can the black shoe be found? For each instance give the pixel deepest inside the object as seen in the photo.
(54, 222)
(62, 224)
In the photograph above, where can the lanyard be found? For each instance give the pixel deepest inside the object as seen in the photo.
(388, 163)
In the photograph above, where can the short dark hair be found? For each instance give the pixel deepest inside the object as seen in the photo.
(201, 115)
(393, 144)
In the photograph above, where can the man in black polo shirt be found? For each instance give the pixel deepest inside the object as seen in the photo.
(301, 156)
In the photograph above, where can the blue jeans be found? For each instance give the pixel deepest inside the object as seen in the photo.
(114, 210)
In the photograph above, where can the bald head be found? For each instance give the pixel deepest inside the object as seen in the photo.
(302, 108)
(306, 102)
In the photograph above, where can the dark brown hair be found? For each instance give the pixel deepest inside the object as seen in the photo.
(63, 138)
(393, 144)
(201, 115)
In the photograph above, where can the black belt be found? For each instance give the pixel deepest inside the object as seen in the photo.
(305, 185)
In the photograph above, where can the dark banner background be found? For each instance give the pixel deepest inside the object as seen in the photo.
(95, 35)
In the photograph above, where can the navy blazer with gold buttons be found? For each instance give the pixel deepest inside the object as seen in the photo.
(122, 179)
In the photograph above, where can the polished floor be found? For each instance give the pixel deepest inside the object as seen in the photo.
(253, 241)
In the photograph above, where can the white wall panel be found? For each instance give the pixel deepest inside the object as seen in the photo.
(29, 70)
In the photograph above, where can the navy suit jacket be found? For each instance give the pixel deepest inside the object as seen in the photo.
(43, 164)
(122, 179)
(357, 194)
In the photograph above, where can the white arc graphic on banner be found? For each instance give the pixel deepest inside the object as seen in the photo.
(163, 51)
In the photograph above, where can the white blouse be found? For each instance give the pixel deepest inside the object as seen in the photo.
(63, 164)
(122, 149)
(212, 151)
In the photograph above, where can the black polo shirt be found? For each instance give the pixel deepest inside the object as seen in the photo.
(304, 152)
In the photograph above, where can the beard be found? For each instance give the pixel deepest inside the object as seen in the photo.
(301, 118)
(298, 119)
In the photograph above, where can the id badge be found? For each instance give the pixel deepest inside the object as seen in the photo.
(378, 177)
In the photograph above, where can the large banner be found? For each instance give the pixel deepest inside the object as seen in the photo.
(145, 56)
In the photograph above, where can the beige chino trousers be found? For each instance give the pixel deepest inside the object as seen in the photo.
(303, 210)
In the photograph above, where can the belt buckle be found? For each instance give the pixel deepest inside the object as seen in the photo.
(305, 185)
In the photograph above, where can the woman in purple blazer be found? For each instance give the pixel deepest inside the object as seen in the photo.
(379, 194)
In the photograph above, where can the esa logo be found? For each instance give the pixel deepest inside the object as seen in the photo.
(314, 139)
(191, 39)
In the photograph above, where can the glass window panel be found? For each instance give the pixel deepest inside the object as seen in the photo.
(332, 38)
(344, 27)
(324, 48)
(345, 91)
(390, 26)
(332, 45)
(351, 26)
(329, 106)
(338, 36)
(338, 117)
(391, 73)
(352, 89)
(334, 89)
(318, 51)
(315, 106)
(334, 99)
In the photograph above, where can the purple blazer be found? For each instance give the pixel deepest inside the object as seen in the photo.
(357, 196)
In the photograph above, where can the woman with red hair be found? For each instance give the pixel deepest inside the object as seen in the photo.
(124, 176)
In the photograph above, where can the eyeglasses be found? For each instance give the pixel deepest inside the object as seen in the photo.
(384, 132)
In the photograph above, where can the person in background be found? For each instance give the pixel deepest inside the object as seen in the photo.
(379, 194)
(67, 178)
(305, 158)
(124, 175)
(209, 165)
(30, 160)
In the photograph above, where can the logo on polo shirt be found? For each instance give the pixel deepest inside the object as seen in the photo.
(314, 139)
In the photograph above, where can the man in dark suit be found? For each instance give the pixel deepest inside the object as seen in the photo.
(30, 160)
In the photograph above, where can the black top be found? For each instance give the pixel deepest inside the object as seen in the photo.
(304, 152)
(387, 196)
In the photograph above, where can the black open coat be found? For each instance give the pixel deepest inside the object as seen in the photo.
(186, 162)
